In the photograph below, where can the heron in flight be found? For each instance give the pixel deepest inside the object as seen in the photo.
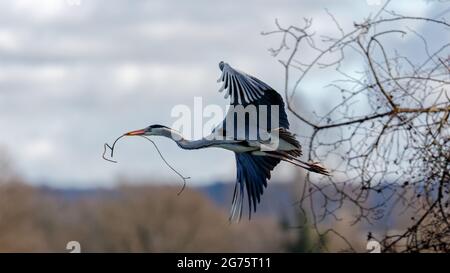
(255, 157)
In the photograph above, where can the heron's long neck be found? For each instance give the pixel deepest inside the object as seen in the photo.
(182, 142)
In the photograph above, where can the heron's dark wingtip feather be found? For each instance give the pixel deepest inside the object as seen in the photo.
(252, 174)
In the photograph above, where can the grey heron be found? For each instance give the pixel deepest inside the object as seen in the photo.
(254, 161)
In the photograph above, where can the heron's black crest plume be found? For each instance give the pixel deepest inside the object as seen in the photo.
(154, 126)
(111, 148)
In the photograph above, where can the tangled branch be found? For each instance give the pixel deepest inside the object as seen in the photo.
(384, 128)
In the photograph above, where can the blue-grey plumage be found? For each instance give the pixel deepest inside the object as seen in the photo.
(255, 158)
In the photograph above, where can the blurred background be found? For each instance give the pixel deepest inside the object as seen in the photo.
(75, 74)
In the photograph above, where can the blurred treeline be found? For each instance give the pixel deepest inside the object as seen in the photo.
(130, 219)
(146, 217)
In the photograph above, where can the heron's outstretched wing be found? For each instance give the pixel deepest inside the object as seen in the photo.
(258, 99)
(245, 90)
(252, 175)
(239, 86)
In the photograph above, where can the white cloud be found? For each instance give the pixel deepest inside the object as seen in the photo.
(40, 149)
(178, 28)
(42, 9)
(128, 75)
(9, 41)
(34, 75)
(161, 77)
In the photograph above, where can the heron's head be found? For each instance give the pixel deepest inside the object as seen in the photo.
(152, 130)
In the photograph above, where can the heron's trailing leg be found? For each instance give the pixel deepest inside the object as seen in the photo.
(313, 167)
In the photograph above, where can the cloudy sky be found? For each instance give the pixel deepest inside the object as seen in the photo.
(77, 73)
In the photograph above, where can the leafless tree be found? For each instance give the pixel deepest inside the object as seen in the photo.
(383, 129)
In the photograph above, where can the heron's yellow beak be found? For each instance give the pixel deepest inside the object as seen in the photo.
(136, 133)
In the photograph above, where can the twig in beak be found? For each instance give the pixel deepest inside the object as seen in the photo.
(112, 150)
(106, 145)
(104, 152)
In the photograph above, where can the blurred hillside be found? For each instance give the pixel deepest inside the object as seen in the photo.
(149, 218)
(126, 219)
(136, 218)
(146, 217)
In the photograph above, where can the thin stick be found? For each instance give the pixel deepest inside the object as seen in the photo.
(112, 150)
(173, 169)
(106, 145)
